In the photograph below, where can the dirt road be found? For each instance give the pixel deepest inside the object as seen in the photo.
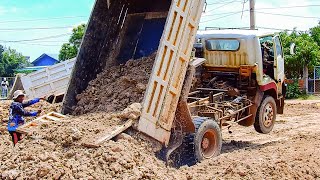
(290, 151)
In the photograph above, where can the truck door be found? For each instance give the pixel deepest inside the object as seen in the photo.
(279, 61)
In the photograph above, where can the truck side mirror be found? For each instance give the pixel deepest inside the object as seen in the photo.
(292, 48)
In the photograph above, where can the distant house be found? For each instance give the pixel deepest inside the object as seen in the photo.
(46, 60)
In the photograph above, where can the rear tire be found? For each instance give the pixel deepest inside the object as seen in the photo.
(207, 139)
(266, 115)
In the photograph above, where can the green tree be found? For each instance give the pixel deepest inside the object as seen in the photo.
(306, 57)
(307, 53)
(315, 34)
(1, 51)
(70, 50)
(11, 60)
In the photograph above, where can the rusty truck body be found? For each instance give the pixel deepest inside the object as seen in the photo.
(179, 101)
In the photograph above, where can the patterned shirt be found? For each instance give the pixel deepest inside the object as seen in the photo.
(17, 112)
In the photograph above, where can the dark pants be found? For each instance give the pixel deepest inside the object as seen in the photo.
(4, 92)
(15, 137)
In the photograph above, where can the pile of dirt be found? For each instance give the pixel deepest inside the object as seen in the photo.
(56, 152)
(43, 105)
(4, 110)
(116, 87)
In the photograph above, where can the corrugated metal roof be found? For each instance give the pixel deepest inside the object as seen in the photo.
(44, 54)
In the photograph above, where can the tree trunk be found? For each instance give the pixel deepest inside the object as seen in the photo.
(305, 78)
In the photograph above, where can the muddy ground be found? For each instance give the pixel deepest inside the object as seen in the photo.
(290, 151)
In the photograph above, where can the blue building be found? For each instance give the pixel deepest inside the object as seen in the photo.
(46, 60)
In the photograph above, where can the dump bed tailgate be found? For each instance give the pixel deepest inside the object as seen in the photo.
(170, 69)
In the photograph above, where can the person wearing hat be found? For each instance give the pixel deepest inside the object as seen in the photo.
(17, 112)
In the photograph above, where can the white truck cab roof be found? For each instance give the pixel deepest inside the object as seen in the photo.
(233, 33)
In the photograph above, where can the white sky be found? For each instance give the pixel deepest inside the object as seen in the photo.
(13, 10)
(265, 20)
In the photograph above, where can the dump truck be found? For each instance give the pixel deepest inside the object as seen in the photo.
(50, 82)
(180, 104)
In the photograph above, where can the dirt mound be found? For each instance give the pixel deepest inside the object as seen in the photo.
(291, 151)
(116, 87)
(44, 106)
(56, 152)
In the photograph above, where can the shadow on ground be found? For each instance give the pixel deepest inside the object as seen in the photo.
(184, 155)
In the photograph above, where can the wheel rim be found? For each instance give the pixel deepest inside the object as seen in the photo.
(268, 115)
(208, 144)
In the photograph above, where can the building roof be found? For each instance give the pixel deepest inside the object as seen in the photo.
(54, 56)
(233, 33)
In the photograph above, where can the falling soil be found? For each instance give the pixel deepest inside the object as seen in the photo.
(55, 151)
(116, 87)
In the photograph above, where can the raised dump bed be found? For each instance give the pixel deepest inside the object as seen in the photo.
(131, 29)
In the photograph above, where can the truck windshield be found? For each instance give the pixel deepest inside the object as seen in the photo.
(222, 45)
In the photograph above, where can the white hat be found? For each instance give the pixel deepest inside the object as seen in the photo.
(18, 93)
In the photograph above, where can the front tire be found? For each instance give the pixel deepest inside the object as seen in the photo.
(266, 115)
(207, 140)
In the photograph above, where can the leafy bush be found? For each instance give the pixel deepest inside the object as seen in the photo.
(293, 91)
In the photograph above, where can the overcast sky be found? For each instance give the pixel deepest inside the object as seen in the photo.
(18, 16)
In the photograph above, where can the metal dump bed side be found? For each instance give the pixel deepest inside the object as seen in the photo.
(52, 80)
(117, 31)
(170, 68)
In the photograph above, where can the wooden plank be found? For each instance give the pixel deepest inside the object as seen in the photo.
(110, 135)
(44, 121)
(58, 115)
(23, 131)
(52, 116)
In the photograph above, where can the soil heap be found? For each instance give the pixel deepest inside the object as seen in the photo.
(291, 151)
(56, 151)
(116, 87)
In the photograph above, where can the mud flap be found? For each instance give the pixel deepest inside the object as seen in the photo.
(280, 105)
(175, 143)
(280, 102)
(253, 109)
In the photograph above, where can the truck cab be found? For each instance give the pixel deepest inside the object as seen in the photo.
(250, 61)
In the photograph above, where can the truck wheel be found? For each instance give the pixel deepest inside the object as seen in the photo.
(207, 139)
(266, 115)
